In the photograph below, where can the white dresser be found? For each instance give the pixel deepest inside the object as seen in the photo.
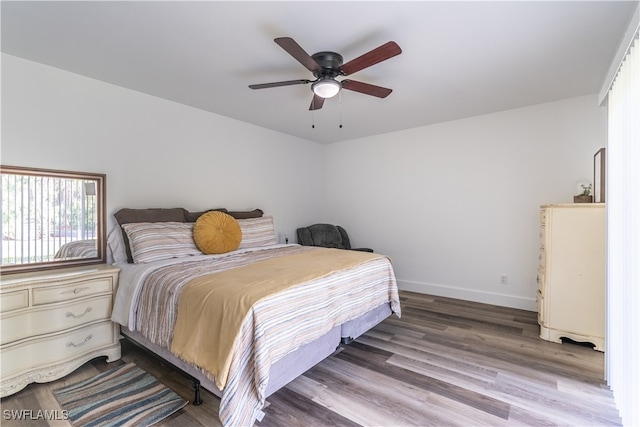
(571, 274)
(52, 322)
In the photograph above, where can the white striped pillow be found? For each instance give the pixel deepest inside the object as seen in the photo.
(257, 232)
(154, 241)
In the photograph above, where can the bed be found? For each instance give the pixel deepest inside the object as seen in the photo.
(246, 321)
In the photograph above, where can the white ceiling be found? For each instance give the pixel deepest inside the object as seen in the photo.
(459, 59)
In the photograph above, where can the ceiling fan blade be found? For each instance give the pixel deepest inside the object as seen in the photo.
(278, 84)
(379, 54)
(366, 88)
(316, 102)
(294, 49)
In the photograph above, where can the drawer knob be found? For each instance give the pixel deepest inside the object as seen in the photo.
(75, 291)
(78, 316)
(72, 344)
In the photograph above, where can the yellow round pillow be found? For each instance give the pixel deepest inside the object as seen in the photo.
(216, 233)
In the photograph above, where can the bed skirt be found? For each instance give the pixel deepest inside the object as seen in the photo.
(290, 366)
(354, 328)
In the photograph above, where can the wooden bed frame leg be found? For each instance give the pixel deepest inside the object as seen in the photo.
(196, 388)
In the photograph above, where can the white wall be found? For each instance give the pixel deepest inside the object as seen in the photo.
(456, 205)
(156, 153)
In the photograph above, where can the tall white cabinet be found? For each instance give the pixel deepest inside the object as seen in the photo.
(571, 273)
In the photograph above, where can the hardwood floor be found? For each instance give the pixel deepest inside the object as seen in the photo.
(446, 362)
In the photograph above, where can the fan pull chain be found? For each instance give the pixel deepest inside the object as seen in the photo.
(313, 113)
(340, 101)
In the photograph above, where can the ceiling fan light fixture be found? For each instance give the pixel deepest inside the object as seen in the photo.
(326, 87)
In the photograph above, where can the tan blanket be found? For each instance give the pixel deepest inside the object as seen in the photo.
(212, 308)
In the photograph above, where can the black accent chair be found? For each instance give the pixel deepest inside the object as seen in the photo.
(327, 236)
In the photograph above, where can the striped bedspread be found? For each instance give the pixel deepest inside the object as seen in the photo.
(276, 325)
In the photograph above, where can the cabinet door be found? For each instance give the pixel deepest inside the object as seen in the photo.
(576, 255)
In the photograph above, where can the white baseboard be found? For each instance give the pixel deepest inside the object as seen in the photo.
(469, 295)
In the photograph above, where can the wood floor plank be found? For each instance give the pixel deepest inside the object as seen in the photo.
(446, 362)
(547, 405)
(453, 413)
(306, 387)
(358, 353)
(293, 409)
(364, 407)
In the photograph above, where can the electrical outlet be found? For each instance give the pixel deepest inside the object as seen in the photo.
(504, 279)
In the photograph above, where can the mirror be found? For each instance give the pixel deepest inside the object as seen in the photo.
(51, 219)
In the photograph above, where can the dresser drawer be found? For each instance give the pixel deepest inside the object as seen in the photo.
(56, 349)
(54, 318)
(14, 300)
(79, 289)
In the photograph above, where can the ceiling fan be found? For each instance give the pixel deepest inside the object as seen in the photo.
(326, 66)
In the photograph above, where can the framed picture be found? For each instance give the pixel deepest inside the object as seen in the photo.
(599, 176)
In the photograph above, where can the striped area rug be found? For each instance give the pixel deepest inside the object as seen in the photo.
(123, 396)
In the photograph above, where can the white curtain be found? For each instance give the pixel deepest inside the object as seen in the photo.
(623, 237)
